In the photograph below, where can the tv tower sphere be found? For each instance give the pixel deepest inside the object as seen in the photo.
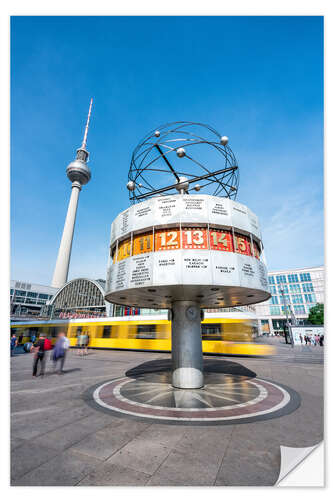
(79, 174)
(78, 171)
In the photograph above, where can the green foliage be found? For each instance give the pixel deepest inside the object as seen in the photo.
(316, 314)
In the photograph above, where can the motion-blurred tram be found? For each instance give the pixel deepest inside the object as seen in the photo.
(229, 333)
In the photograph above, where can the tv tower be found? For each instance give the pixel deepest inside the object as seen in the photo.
(79, 174)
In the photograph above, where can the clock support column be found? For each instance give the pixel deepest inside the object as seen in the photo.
(187, 361)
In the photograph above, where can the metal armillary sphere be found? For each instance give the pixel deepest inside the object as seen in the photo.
(183, 157)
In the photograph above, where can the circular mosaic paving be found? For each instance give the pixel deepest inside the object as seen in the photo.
(224, 399)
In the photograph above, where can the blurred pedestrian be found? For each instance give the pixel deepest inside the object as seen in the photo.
(38, 349)
(60, 351)
(86, 342)
(321, 340)
(13, 344)
(301, 338)
(81, 344)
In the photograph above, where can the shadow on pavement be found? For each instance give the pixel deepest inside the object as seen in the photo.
(157, 366)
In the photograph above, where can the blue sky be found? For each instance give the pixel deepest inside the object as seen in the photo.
(258, 80)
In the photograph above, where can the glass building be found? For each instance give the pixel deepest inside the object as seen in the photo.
(297, 290)
(28, 299)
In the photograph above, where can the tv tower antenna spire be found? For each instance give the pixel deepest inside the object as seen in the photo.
(84, 142)
(79, 174)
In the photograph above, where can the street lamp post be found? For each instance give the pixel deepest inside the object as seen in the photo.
(287, 317)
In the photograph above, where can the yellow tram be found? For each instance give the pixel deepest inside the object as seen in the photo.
(222, 333)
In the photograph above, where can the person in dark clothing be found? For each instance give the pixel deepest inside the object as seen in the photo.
(39, 355)
(13, 344)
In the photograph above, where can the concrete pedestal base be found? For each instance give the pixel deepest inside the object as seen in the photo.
(187, 361)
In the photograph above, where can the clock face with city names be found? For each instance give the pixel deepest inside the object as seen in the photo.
(186, 238)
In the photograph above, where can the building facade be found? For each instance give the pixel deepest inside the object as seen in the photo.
(29, 299)
(79, 298)
(296, 291)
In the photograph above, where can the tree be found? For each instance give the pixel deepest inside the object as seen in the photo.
(316, 314)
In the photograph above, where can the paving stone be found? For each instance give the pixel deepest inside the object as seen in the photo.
(168, 435)
(104, 443)
(208, 442)
(114, 475)
(67, 435)
(142, 455)
(15, 442)
(252, 458)
(34, 425)
(66, 469)
(27, 457)
(183, 469)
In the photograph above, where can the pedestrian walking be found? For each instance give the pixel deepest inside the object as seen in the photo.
(60, 351)
(38, 349)
(301, 339)
(81, 340)
(86, 343)
(321, 340)
(13, 344)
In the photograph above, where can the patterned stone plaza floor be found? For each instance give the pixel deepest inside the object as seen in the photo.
(60, 436)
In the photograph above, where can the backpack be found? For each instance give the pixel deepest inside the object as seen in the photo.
(47, 345)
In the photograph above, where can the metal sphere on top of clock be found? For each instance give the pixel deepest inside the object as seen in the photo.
(183, 157)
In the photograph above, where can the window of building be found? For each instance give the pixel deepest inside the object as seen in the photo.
(28, 300)
(19, 299)
(307, 287)
(309, 298)
(271, 280)
(275, 310)
(20, 293)
(281, 279)
(286, 298)
(11, 291)
(32, 294)
(305, 277)
(299, 309)
(275, 300)
(272, 289)
(284, 309)
(292, 278)
(297, 299)
(284, 288)
(295, 288)
(43, 296)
